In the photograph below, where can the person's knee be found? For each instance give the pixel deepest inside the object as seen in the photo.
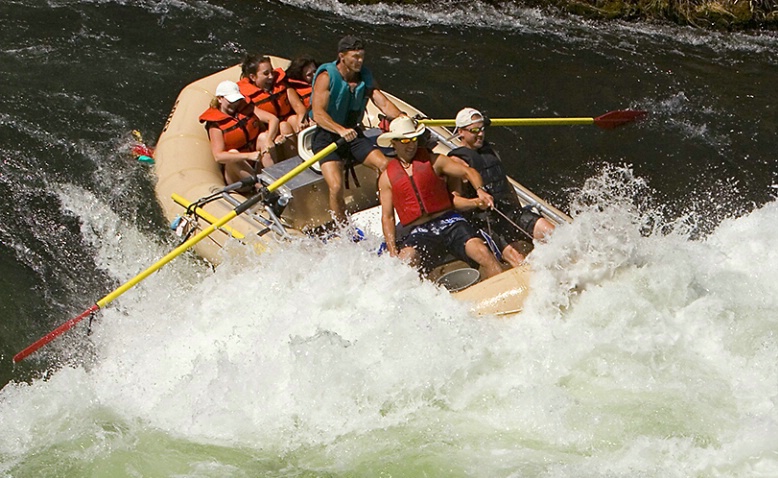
(512, 256)
(336, 187)
(285, 128)
(409, 255)
(377, 160)
(332, 175)
(476, 249)
(543, 227)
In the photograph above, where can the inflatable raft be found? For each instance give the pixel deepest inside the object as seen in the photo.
(190, 189)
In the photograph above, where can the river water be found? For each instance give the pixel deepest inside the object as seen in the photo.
(648, 347)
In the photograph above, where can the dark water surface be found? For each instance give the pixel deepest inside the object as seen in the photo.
(77, 76)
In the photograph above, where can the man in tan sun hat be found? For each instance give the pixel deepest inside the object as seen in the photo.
(414, 185)
(506, 222)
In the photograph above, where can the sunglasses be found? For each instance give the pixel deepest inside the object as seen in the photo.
(475, 130)
(407, 140)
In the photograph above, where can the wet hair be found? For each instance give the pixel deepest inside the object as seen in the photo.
(296, 67)
(251, 63)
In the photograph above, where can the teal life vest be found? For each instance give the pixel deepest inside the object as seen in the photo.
(346, 107)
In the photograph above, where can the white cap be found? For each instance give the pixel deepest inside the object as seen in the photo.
(468, 116)
(229, 90)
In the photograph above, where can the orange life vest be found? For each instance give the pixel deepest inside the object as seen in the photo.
(275, 102)
(303, 89)
(240, 132)
(423, 193)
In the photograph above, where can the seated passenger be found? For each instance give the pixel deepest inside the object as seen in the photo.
(235, 133)
(414, 185)
(299, 75)
(268, 90)
(506, 222)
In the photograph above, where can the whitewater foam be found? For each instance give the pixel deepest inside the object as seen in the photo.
(640, 352)
(628, 36)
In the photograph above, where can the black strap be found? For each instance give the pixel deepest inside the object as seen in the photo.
(350, 169)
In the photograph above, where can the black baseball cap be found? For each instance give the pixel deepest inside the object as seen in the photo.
(350, 43)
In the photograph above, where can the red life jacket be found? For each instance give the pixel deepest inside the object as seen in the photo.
(423, 193)
(275, 102)
(303, 89)
(240, 132)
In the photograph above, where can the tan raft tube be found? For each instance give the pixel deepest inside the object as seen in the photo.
(185, 167)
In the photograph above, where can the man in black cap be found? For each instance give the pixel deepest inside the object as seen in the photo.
(341, 90)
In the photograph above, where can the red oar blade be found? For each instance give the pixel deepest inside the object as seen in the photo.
(55, 333)
(615, 119)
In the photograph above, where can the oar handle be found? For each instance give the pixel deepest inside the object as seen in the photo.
(244, 206)
(306, 164)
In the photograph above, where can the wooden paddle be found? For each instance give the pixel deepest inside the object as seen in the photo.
(609, 120)
(241, 208)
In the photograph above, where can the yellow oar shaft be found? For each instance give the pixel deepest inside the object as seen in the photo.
(518, 122)
(206, 215)
(169, 257)
(240, 209)
(214, 225)
(609, 120)
(302, 167)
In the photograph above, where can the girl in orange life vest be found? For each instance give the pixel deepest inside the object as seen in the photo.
(299, 75)
(235, 133)
(414, 185)
(268, 90)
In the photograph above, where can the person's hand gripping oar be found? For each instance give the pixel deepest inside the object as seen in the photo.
(241, 208)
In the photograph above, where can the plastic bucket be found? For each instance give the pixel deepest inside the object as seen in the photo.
(459, 279)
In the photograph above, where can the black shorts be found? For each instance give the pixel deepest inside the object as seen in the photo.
(435, 239)
(353, 152)
(501, 230)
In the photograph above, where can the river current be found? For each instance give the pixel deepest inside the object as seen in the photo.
(648, 346)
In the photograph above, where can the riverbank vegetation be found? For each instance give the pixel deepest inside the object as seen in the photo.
(713, 14)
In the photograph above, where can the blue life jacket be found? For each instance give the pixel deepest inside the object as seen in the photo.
(346, 107)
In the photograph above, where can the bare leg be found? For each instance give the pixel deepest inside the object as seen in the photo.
(234, 172)
(409, 255)
(512, 256)
(477, 250)
(333, 176)
(543, 228)
(376, 160)
(292, 137)
(286, 140)
(292, 121)
(267, 158)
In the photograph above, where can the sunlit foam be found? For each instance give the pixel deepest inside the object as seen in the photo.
(639, 349)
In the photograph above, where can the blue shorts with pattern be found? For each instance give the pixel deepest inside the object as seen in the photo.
(435, 239)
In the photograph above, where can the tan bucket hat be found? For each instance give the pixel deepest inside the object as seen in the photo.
(402, 127)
